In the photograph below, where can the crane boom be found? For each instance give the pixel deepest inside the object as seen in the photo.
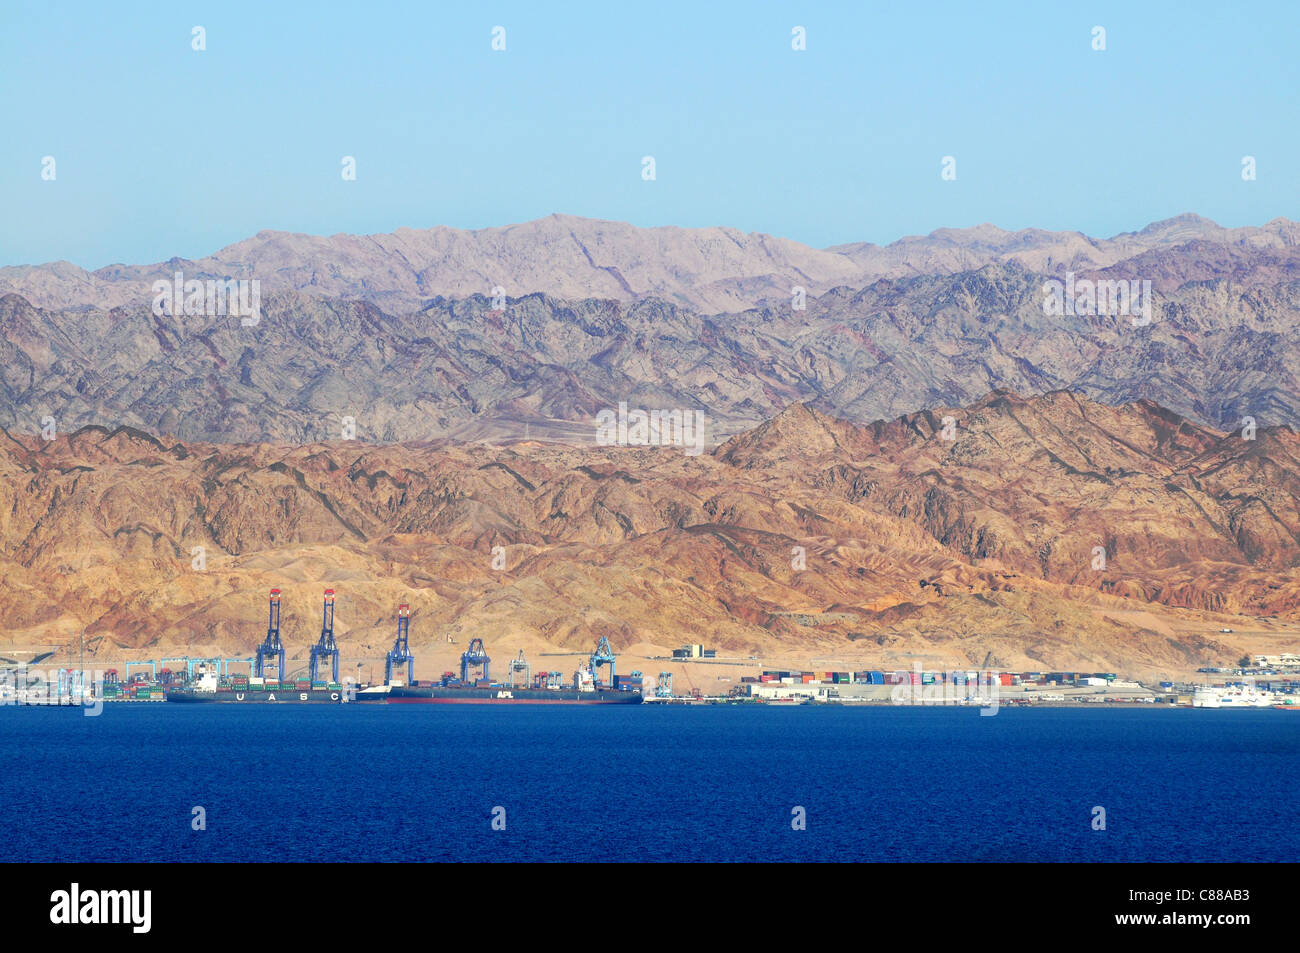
(401, 650)
(271, 647)
(325, 645)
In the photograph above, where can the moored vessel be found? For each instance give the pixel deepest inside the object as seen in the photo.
(543, 688)
(497, 694)
(208, 687)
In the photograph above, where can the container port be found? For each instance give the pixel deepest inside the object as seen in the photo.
(1260, 681)
(211, 681)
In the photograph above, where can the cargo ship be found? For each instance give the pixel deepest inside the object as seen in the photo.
(495, 695)
(543, 688)
(291, 696)
(207, 687)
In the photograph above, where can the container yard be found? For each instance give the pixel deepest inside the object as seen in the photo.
(1011, 688)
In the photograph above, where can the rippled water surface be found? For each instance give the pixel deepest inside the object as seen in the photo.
(647, 783)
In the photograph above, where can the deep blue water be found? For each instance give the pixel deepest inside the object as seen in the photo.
(647, 783)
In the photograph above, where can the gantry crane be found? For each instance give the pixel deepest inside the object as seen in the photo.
(475, 656)
(604, 655)
(519, 664)
(272, 647)
(153, 669)
(401, 650)
(326, 644)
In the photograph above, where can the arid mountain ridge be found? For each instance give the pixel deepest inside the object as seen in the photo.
(1217, 350)
(711, 270)
(829, 513)
(914, 546)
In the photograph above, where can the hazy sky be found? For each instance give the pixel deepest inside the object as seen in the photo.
(163, 150)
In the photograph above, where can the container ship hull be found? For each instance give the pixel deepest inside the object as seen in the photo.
(281, 697)
(436, 695)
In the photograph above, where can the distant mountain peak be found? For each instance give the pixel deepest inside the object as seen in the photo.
(1185, 225)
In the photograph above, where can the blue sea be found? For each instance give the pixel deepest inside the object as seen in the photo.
(646, 783)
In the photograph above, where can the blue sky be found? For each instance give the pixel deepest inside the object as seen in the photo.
(161, 150)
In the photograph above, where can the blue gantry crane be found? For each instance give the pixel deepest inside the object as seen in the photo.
(153, 669)
(326, 644)
(475, 655)
(272, 647)
(604, 655)
(401, 650)
(225, 663)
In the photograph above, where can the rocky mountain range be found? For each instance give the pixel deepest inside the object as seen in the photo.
(711, 270)
(1218, 350)
(1020, 532)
